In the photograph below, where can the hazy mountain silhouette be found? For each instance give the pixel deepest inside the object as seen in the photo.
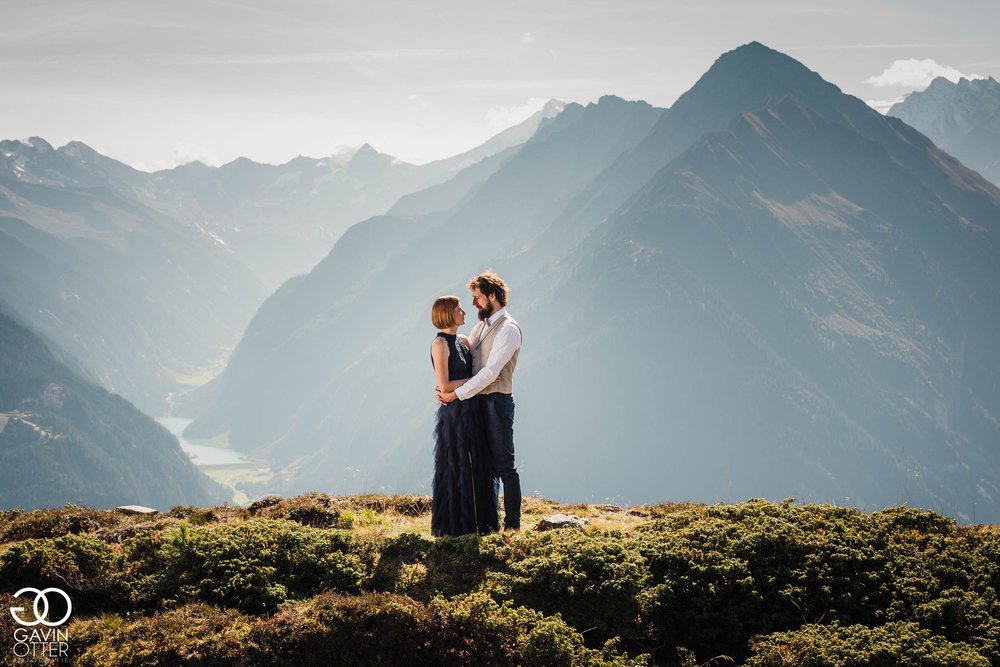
(141, 299)
(785, 308)
(768, 289)
(282, 219)
(749, 77)
(64, 439)
(144, 276)
(962, 118)
(305, 336)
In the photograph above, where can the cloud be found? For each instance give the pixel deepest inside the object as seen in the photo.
(883, 106)
(527, 38)
(912, 73)
(500, 118)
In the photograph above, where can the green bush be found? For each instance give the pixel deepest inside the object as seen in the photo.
(685, 585)
(423, 568)
(484, 632)
(592, 580)
(343, 631)
(18, 525)
(720, 575)
(255, 565)
(198, 634)
(892, 645)
(81, 565)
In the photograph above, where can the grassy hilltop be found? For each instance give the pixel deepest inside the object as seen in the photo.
(321, 580)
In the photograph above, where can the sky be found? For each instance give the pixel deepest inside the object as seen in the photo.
(156, 83)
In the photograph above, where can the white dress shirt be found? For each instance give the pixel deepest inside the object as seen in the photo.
(508, 339)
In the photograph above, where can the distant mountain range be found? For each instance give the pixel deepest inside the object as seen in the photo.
(767, 289)
(962, 118)
(147, 304)
(65, 440)
(150, 279)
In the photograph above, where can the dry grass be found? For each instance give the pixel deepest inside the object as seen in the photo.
(368, 516)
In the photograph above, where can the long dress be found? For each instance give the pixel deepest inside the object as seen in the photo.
(464, 497)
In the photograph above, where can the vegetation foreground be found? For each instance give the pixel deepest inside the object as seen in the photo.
(321, 580)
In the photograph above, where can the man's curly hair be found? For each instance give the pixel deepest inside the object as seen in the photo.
(490, 283)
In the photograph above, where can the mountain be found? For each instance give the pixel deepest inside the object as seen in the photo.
(146, 302)
(282, 219)
(746, 78)
(513, 136)
(65, 440)
(962, 118)
(289, 368)
(73, 222)
(786, 308)
(797, 300)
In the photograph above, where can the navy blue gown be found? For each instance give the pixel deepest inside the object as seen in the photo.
(464, 498)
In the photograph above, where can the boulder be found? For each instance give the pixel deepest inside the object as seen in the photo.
(136, 509)
(560, 520)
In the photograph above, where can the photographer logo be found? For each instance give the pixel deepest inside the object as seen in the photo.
(47, 641)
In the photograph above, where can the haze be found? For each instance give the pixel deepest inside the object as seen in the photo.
(160, 84)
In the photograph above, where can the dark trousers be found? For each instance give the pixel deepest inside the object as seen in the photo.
(499, 414)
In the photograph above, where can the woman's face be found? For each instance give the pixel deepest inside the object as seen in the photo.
(459, 315)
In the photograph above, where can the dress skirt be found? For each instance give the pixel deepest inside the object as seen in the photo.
(464, 491)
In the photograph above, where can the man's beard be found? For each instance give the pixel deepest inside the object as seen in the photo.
(485, 312)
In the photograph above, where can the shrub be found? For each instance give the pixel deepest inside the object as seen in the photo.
(83, 566)
(892, 645)
(592, 580)
(18, 525)
(193, 634)
(722, 574)
(424, 568)
(255, 565)
(343, 631)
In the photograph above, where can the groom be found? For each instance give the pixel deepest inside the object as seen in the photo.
(496, 343)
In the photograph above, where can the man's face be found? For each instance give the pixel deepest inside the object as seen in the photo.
(484, 305)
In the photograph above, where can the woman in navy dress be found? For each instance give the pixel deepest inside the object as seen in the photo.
(464, 500)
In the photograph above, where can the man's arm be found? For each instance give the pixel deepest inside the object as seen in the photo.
(507, 342)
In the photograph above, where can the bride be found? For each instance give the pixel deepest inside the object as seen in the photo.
(464, 500)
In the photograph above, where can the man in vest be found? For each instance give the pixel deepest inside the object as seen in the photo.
(496, 343)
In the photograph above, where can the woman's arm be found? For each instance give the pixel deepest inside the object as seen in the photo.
(453, 385)
(439, 355)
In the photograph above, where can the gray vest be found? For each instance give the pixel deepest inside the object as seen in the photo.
(504, 384)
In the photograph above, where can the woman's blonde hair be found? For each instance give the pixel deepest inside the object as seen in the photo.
(443, 311)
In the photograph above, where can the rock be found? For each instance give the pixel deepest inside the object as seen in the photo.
(562, 521)
(136, 509)
(262, 503)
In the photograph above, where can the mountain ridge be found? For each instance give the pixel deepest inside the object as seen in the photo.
(830, 380)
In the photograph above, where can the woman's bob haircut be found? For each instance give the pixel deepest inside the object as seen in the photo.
(443, 311)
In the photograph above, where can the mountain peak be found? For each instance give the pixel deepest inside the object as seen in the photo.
(39, 144)
(78, 150)
(760, 61)
(367, 157)
(751, 76)
(552, 108)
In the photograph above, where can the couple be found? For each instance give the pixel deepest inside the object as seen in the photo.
(474, 435)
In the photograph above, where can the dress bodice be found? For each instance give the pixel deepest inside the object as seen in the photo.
(459, 357)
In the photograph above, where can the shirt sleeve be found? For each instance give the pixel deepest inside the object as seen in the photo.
(507, 342)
